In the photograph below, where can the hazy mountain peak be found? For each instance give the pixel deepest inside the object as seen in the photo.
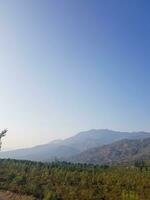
(74, 145)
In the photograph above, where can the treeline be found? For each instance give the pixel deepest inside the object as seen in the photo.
(63, 181)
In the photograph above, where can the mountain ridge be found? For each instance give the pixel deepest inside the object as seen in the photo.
(123, 151)
(72, 146)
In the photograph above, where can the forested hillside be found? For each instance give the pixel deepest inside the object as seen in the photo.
(62, 181)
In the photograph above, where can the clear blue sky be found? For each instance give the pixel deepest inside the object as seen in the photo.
(73, 65)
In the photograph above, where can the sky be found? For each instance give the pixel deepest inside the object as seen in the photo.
(71, 65)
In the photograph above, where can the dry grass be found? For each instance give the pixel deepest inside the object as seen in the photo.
(12, 196)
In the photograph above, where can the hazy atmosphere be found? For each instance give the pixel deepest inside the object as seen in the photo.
(68, 66)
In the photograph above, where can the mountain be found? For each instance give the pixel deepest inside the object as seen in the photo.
(124, 151)
(47, 152)
(72, 146)
(98, 137)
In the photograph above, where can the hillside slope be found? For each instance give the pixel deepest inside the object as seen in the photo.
(123, 151)
(72, 146)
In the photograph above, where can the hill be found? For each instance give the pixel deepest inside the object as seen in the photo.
(124, 151)
(47, 152)
(72, 146)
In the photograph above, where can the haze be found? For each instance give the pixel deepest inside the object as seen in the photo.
(68, 66)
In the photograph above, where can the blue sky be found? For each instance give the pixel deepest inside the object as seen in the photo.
(73, 65)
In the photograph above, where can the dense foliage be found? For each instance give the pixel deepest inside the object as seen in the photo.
(62, 181)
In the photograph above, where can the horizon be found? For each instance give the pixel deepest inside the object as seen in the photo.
(68, 66)
(62, 139)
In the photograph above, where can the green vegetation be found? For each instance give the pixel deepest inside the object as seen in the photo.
(63, 181)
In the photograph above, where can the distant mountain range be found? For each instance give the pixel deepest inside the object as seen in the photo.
(123, 151)
(75, 147)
